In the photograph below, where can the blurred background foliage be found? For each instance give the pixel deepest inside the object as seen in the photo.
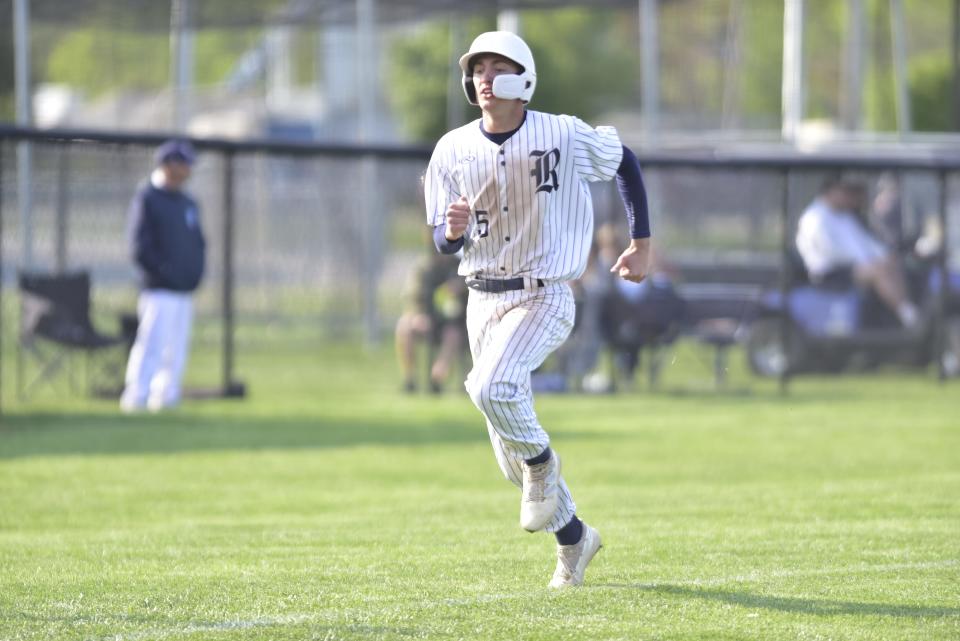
(721, 60)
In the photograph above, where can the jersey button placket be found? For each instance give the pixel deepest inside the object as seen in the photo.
(502, 175)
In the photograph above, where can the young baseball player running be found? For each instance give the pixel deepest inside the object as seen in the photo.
(510, 190)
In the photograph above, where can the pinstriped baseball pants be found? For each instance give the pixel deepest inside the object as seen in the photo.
(511, 334)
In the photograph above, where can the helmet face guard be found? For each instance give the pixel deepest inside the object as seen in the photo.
(506, 86)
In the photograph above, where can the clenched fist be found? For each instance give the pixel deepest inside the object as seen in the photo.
(458, 218)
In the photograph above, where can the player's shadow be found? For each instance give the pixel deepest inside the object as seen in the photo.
(818, 607)
(100, 432)
(106, 433)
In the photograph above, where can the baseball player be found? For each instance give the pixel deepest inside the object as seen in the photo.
(510, 190)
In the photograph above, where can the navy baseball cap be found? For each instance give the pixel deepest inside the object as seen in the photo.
(175, 151)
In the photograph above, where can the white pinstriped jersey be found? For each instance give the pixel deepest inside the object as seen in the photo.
(532, 212)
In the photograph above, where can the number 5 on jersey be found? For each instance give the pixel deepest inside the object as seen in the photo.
(483, 224)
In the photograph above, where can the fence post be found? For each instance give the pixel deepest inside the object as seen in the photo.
(226, 302)
(63, 203)
(372, 248)
(940, 337)
(955, 64)
(785, 242)
(1, 277)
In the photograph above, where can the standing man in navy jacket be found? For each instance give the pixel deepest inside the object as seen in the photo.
(168, 247)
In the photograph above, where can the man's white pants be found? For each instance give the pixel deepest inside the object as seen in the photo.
(511, 334)
(159, 354)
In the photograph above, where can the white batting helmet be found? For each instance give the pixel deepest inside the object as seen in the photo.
(508, 86)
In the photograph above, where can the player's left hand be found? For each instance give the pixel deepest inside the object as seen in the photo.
(633, 262)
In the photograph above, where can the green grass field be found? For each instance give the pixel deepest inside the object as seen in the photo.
(329, 506)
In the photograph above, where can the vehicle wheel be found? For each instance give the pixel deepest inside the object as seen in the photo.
(950, 358)
(765, 349)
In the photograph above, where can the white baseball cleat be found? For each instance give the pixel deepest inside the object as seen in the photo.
(572, 560)
(541, 495)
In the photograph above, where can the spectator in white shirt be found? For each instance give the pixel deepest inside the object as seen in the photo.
(831, 237)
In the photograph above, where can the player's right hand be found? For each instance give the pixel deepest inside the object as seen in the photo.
(458, 218)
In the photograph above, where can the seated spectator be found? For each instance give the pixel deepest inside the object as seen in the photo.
(831, 239)
(638, 315)
(435, 316)
(632, 316)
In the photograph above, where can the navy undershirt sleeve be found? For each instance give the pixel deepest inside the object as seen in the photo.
(634, 195)
(445, 246)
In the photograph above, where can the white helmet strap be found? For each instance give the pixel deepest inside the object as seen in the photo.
(509, 86)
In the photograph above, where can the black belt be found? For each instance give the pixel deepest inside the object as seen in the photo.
(498, 286)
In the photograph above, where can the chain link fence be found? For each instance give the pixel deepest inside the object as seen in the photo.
(315, 243)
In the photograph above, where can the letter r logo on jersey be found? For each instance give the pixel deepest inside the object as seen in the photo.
(545, 169)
